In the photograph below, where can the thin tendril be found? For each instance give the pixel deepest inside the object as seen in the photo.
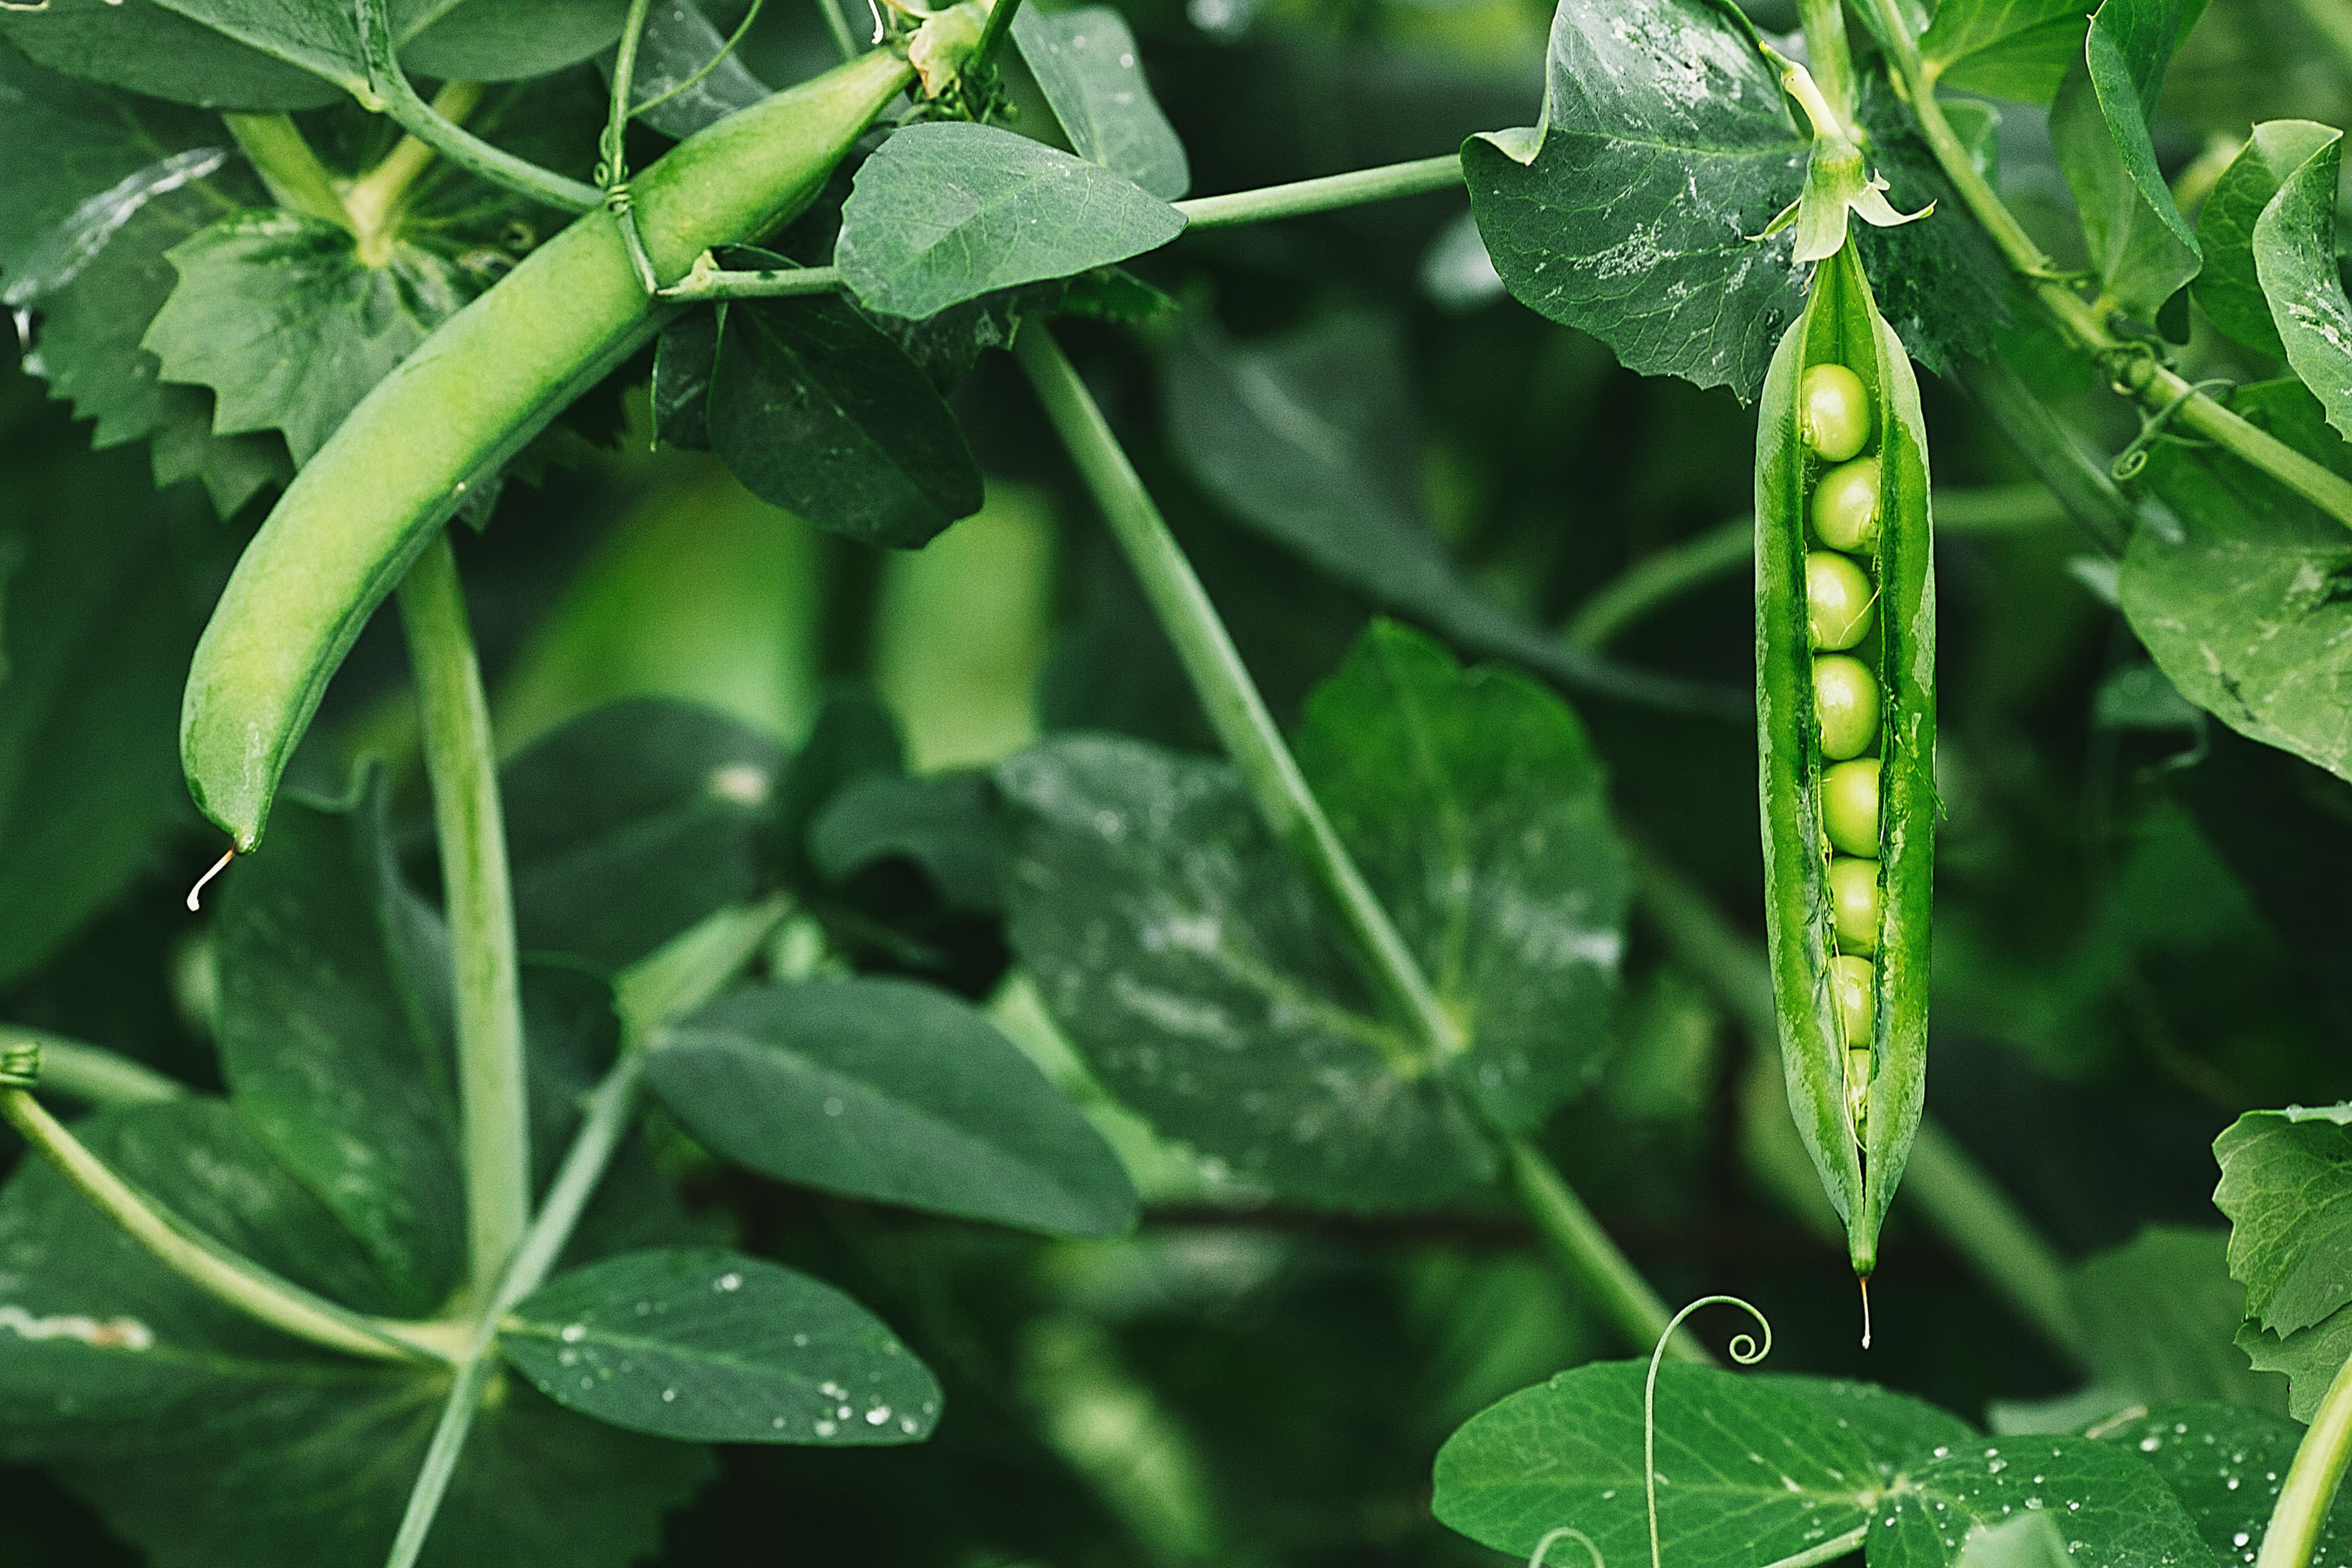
(1565, 1533)
(1744, 1350)
(196, 893)
(712, 64)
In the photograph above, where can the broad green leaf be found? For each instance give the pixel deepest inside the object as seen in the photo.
(818, 413)
(1940, 283)
(2229, 288)
(1747, 1471)
(2238, 589)
(1086, 62)
(1666, 143)
(2310, 1358)
(945, 824)
(322, 37)
(853, 736)
(1474, 805)
(2110, 1507)
(2141, 246)
(1896, 1428)
(684, 357)
(333, 1025)
(2286, 1185)
(140, 46)
(947, 212)
(1179, 950)
(2226, 1464)
(289, 326)
(2009, 49)
(2029, 1539)
(713, 1346)
(631, 823)
(890, 1090)
(505, 40)
(2161, 1318)
(2295, 257)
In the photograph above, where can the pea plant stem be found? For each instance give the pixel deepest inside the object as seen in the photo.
(1826, 54)
(2153, 385)
(1295, 819)
(708, 281)
(838, 26)
(374, 201)
(235, 1281)
(993, 31)
(462, 763)
(1963, 1205)
(2311, 1479)
(92, 1073)
(1301, 197)
(291, 173)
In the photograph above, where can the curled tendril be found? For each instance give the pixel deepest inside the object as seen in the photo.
(2154, 427)
(1745, 1348)
(1565, 1533)
(20, 1064)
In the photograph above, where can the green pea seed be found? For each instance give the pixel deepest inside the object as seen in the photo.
(1845, 703)
(1845, 506)
(1855, 981)
(1838, 600)
(1834, 413)
(1850, 806)
(1854, 903)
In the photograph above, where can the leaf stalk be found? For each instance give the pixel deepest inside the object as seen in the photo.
(2311, 1479)
(1328, 193)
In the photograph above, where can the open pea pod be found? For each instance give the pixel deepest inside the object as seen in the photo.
(1845, 730)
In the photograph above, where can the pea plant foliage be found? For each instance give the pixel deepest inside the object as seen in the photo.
(716, 1019)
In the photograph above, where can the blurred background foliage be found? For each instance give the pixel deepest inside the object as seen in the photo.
(2141, 926)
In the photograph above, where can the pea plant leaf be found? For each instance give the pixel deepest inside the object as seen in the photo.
(140, 46)
(1086, 62)
(2007, 49)
(714, 1346)
(2295, 257)
(2160, 1317)
(948, 211)
(945, 824)
(2226, 1464)
(2108, 1506)
(633, 823)
(507, 40)
(2141, 246)
(677, 42)
(1176, 947)
(289, 326)
(204, 1438)
(2239, 589)
(815, 411)
(888, 1090)
(2286, 1185)
(2230, 287)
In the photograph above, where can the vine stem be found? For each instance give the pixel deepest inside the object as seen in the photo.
(1831, 62)
(2159, 387)
(1301, 197)
(993, 32)
(91, 1072)
(1295, 819)
(2311, 1479)
(235, 1281)
(462, 762)
(838, 26)
(709, 280)
(291, 173)
(374, 199)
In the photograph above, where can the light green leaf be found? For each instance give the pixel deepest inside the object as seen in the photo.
(2140, 245)
(948, 210)
(2310, 1358)
(2110, 1507)
(279, 315)
(2161, 1318)
(2226, 1464)
(322, 37)
(887, 1090)
(142, 46)
(2295, 257)
(2286, 1185)
(2229, 288)
(2240, 590)
(2007, 48)
(1087, 64)
(713, 1346)
(1896, 1428)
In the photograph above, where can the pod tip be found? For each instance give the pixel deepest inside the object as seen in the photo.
(1863, 1280)
(196, 893)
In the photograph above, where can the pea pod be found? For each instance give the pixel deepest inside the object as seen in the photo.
(485, 383)
(1856, 1101)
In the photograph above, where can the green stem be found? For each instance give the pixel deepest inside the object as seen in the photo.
(1592, 1258)
(292, 173)
(615, 142)
(92, 1073)
(1962, 1204)
(1824, 22)
(2311, 1482)
(2154, 386)
(460, 757)
(1292, 815)
(2083, 486)
(992, 33)
(1828, 1550)
(237, 1281)
(471, 152)
(375, 200)
(1419, 177)
(838, 25)
(709, 280)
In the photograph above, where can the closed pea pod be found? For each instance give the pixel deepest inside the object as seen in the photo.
(1845, 735)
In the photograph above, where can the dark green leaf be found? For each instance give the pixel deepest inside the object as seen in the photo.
(2226, 1464)
(2243, 593)
(630, 824)
(714, 1346)
(2009, 49)
(1086, 62)
(2229, 288)
(2140, 245)
(2161, 1318)
(946, 824)
(2311, 1358)
(504, 40)
(334, 1037)
(139, 45)
(678, 41)
(887, 1090)
(684, 357)
(289, 326)
(2286, 1185)
(817, 412)
(853, 736)
(948, 210)
(1940, 283)
(2295, 257)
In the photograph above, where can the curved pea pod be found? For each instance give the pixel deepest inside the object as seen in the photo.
(486, 382)
(1856, 1103)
